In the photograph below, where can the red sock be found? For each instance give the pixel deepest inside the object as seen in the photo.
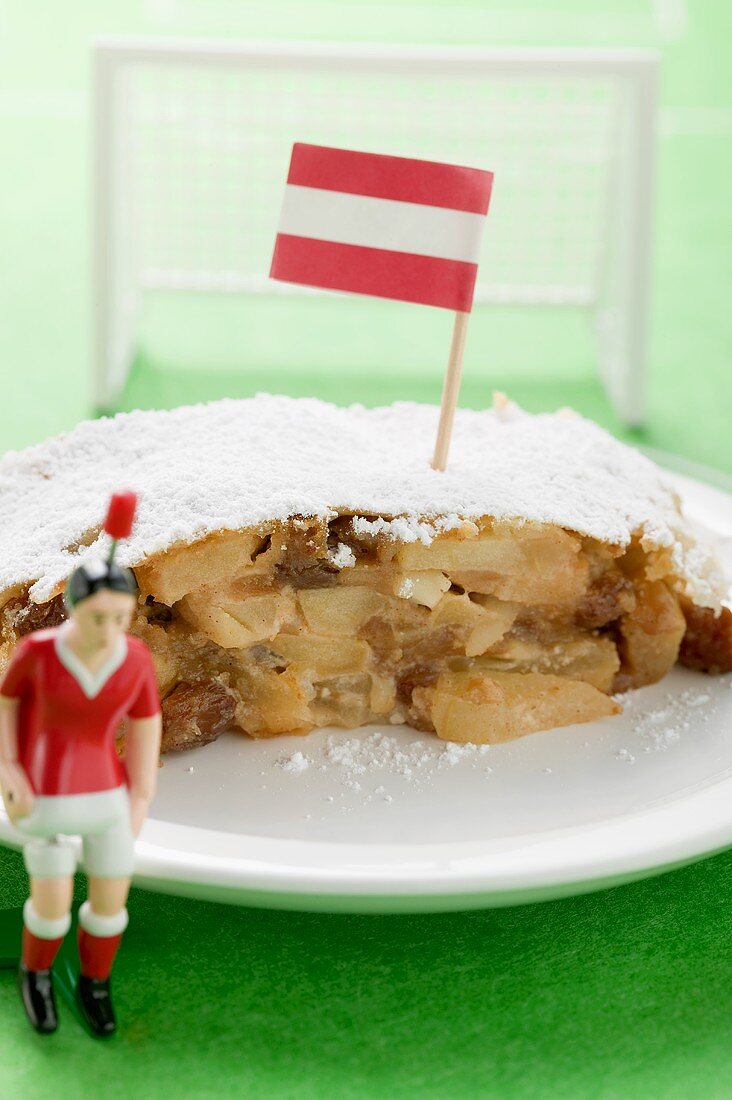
(96, 953)
(39, 954)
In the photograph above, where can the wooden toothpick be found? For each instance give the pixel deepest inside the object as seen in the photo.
(450, 391)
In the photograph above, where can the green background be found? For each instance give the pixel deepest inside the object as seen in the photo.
(627, 993)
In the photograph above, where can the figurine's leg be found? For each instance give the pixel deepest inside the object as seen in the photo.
(109, 861)
(51, 896)
(46, 919)
(102, 920)
(108, 896)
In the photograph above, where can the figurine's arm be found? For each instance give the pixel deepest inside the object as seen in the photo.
(15, 787)
(142, 749)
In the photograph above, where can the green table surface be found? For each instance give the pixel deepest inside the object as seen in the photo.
(623, 994)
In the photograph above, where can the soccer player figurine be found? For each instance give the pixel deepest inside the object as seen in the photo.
(62, 699)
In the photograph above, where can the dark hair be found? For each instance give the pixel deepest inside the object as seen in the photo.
(94, 576)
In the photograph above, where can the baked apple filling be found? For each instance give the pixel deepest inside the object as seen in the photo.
(483, 633)
(490, 631)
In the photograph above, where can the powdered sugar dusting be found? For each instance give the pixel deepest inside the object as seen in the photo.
(660, 725)
(295, 764)
(406, 528)
(236, 463)
(353, 760)
(343, 556)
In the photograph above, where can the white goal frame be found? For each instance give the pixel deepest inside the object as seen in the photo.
(616, 300)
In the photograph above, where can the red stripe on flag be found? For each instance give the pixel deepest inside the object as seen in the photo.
(382, 177)
(379, 272)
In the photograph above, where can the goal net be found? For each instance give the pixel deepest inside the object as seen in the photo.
(193, 143)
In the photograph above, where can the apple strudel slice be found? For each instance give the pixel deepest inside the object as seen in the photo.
(301, 565)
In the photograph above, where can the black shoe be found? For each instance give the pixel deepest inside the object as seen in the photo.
(39, 1002)
(95, 999)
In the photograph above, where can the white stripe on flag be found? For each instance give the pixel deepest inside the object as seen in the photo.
(381, 223)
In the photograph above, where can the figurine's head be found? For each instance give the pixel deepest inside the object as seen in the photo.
(100, 597)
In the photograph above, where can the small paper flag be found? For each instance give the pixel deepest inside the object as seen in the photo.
(390, 227)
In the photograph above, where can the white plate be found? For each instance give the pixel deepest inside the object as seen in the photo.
(437, 828)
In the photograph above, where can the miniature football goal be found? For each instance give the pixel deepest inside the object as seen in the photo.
(193, 139)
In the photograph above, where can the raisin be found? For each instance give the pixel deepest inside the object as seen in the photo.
(303, 573)
(305, 556)
(707, 643)
(195, 713)
(415, 676)
(21, 616)
(609, 597)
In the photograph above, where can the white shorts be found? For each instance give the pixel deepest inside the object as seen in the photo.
(101, 819)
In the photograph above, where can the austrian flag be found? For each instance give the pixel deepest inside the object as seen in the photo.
(390, 227)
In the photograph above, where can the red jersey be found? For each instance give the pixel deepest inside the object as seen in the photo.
(68, 717)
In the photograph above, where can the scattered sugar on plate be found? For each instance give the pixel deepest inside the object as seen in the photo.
(295, 764)
(354, 760)
(661, 723)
